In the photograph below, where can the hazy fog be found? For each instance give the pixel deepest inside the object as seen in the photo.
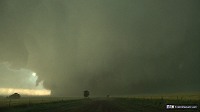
(116, 47)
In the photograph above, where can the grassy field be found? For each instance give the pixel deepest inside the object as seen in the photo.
(112, 104)
(5, 102)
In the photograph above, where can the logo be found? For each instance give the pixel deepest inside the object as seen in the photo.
(169, 106)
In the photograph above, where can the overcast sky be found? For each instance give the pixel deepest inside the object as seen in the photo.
(116, 47)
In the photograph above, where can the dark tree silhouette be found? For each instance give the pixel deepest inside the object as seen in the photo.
(14, 96)
(108, 96)
(86, 93)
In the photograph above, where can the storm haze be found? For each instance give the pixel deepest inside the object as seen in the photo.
(116, 47)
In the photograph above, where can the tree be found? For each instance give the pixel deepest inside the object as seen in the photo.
(86, 93)
(14, 96)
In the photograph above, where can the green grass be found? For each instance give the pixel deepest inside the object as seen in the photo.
(113, 104)
(4, 102)
(50, 106)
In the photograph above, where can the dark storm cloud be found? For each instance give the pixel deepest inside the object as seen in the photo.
(107, 46)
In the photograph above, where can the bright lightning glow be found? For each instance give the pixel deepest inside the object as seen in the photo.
(25, 84)
(8, 91)
(34, 74)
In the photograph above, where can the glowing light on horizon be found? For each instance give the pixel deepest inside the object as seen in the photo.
(32, 92)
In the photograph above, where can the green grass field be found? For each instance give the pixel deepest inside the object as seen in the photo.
(4, 102)
(112, 104)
